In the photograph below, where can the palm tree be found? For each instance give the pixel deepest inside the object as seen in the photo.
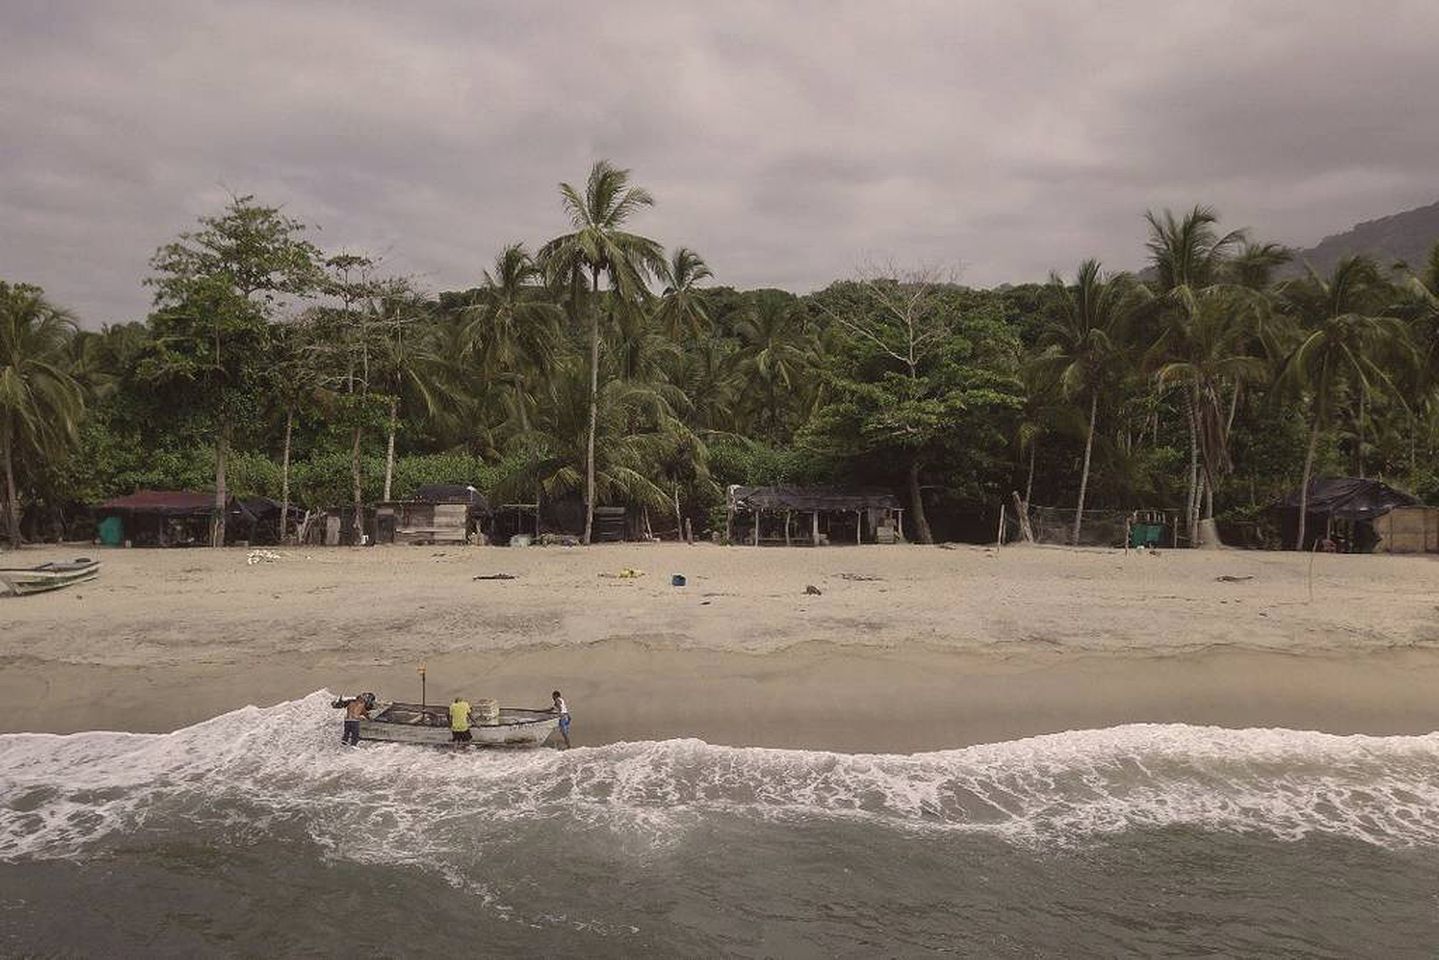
(1084, 346)
(1187, 255)
(513, 326)
(1205, 351)
(408, 364)
(40, 402)
(1341, 340)
(600, 247)
(1188, 252)
(682, 310)
(645, 438)
(778, 350)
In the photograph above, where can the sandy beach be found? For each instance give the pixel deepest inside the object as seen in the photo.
(904, 649)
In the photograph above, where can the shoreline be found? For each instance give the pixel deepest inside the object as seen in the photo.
(819, 697)
(906, 649)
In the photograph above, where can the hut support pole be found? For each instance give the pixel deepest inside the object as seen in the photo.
(814, 527)
(756, 526)
(999, 536)
(859, 526)
(786, 529)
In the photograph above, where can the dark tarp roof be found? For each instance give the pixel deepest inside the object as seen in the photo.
(454, 493)
(1350, 498)
(171, 502)
(812, 498)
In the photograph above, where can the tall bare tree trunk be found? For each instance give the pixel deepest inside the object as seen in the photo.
(357, 477)
(12, 498)
(390, 447)
(285, 478)
(1084, 472)
(916, 499)
(594, 404)
(1029, 484)
(521, 404)
(1191, 499)
(222, 453)
(1359, 447)
(1304, 486)
(679, 517)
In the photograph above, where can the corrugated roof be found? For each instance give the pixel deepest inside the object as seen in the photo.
(168, 500)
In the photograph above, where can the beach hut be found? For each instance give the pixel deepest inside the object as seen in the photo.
(437, 513)
(1352, 515)
(812, 515)
(169, 518)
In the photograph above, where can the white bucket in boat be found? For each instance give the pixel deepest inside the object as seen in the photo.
(486, 712)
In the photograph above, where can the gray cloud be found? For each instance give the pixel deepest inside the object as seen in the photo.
(787, 143)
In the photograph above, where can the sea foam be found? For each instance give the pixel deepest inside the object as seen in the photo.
(279, 770)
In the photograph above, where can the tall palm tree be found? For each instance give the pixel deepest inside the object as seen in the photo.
(1188, 254)
(40, 402)
(682, 311)
(1342, 339)
(1188, 251)
(598, 248)
(513, 326)
(1204, 352)
(1084, 347)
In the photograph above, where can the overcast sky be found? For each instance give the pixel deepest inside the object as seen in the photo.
(788, 143)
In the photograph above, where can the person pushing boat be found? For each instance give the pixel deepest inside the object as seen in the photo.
(460, 721)
(563, 710)
(355, 710)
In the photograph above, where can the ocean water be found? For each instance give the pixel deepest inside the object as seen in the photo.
(256, 833)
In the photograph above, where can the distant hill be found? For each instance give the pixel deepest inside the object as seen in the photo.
(1407, 236)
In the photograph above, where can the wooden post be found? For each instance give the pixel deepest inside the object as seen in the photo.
(859, 526)
(999, 537)
(786, 529)
(756, 526)
(814, 527)
(729, 522)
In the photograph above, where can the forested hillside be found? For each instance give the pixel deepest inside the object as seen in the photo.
(1400, 238)
(610, 367)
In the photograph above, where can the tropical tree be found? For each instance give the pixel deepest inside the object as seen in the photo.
(512, 327)
(216, 291)
(1187, 255)
(1343, 339)
(1205, 351)
(40, 402)
(682, 312)
(600, 248)
(644, 435)
(1083, 348)
(777, 355)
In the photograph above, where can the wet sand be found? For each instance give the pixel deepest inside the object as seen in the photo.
(905, 648)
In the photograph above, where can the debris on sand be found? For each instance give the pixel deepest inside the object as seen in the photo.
(1226, 578)
(812, 590)
(495, 576)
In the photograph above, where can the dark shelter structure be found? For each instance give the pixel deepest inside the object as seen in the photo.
(814, 515)
(1341, 512)
(170, 518)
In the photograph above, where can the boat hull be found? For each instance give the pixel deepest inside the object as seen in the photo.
(49, 576)
(407, 723)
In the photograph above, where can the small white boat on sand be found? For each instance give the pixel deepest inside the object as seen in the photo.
(23, 581)
(396, 722)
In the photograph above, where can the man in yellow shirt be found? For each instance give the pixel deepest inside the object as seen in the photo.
(460, 721)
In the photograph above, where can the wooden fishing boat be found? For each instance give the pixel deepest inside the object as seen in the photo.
(396, 722)
(22, 581)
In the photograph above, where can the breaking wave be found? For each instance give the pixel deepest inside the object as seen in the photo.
(281, 771)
